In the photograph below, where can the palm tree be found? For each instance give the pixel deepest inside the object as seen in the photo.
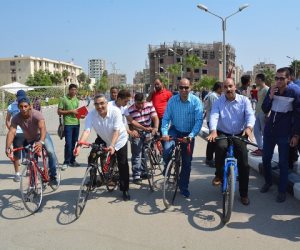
(295, 65)
(193, 62)
(174, 70)
(269, 76)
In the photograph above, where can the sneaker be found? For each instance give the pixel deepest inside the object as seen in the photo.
(185, 193)
(126, 196)
(281, 197)
(53, 181)
(25, 162)
(257, 152)
(75, 164)
(17, 178)
(144, 176)
(137, 181)
(217, 181)
(64, 167)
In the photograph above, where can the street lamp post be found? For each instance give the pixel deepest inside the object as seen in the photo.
(224, 19)
(295, 65)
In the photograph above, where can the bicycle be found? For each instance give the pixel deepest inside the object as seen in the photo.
(154, 155)
(107, 173)
(35, 178)
(172, 172)
(230, 175)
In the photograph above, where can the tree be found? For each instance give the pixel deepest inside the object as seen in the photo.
(56, 78)
(83, 78)
(174, 70)
(102, 83)
(295, 65)
(193, 62)
(65, 75)
(269, 76)
(39, 78)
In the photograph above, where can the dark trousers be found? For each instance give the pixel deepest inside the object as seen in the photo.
(210, 149)
(122, 160)
(241, 154)
(71, 137)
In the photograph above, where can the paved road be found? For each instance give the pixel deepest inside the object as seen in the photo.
(143, 223)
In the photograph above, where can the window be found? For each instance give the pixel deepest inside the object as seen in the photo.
(204, 71)
(197, 70)
(13, 78)
(212, 55)
(205, 54)
(178, 78)
(161, 60)
(12, 63)
(188, 70)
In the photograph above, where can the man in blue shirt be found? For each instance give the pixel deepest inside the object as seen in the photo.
(232, 114)
(184, 113)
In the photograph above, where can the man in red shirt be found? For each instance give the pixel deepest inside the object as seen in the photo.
(159, 96)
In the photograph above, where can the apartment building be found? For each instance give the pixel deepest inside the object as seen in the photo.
(96, 68)
(19, 68)
(164, 55)
(261, 67)
(116, 79)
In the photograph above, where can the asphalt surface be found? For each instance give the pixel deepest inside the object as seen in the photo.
(143, 223)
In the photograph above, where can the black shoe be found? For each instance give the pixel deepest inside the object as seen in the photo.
(126, 196)
(281, 197)
(210, 163)
(144, 176)
(53, 181)
(265, 188)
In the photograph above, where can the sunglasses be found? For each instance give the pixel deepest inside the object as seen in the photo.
(184, 87)
(279, 78)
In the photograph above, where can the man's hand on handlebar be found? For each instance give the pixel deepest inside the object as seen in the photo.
(212, 136)
(248, 132)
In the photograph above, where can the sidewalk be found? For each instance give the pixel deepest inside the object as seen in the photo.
(256, 164)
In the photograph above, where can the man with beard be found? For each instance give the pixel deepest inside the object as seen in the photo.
(232, 114)
(159, 97)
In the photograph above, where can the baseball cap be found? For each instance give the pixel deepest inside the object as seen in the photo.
(21, 92)
(23, 99)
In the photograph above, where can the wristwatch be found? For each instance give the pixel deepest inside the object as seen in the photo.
(42, 142)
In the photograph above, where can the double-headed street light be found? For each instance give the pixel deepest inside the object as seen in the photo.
(224, 19)
(181, 61)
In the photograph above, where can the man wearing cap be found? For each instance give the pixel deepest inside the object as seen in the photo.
(33, 125)
(19, 139)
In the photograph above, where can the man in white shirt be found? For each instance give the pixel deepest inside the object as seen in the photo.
(107, 122)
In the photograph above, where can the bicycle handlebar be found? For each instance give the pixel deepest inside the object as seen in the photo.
(28, 147)
(235, 137)
(88, 145)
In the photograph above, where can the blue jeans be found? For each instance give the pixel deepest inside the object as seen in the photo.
(283, 149)
(71, 137)
(138, 158)
(186, 158)
(51, 155)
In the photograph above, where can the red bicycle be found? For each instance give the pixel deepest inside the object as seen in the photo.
(35, 178)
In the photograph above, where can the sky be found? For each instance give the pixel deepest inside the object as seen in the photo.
(120, 31)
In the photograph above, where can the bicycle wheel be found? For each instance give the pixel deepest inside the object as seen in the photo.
(228, 194)
(170, 184)
(31, 188)
(150, 169)
(112, 177)
(58, 178)
(87, 185)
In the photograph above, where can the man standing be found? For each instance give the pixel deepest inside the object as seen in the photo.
(19, 140)
(68, 108)
(144, 114)
(113, 93)
(184, 115)
(159, 96)
(282, 128)
(232, 114)
(33, 125)
(107, 122)
(260, 116)
(211, 98)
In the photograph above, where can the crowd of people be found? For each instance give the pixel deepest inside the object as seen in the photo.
(229, 110)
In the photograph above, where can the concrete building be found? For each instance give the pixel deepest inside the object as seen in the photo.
(142, 78)
(96, 68)
(19, 68)
(116, 79)
(164, 55)
(261, 67)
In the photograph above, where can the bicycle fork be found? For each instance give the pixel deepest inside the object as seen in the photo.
(229, 162)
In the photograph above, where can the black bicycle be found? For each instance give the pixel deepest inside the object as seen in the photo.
(106, 173)
(172, 173)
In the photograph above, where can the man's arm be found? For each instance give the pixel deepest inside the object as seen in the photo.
(135, 123)
(9, 138)
(40, 143)
(198, 119)
(267, 103)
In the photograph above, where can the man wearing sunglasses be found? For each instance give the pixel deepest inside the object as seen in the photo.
(282, 128)
(182, 118)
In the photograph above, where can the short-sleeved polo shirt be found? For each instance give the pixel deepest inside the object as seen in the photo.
(68, 103)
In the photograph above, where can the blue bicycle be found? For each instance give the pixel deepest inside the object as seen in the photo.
(230, 175)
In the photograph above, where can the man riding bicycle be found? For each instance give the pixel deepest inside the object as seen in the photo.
(33, 125)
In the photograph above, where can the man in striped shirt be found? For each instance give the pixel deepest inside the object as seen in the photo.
(232, 114)
(144, 113)
(184, 113)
